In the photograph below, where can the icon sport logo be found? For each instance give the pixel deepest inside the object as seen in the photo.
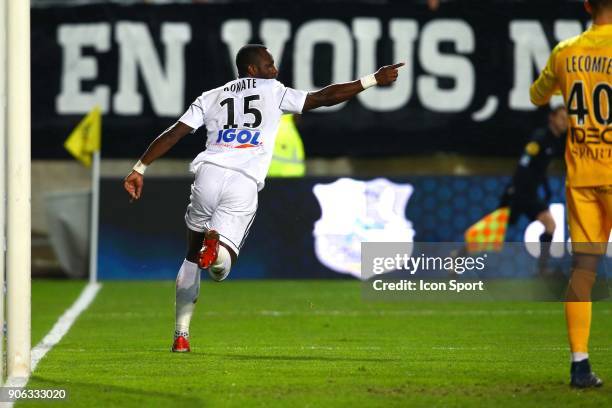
(239, 138)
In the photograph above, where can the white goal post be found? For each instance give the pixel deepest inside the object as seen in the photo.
(3, 52)
(18, 181)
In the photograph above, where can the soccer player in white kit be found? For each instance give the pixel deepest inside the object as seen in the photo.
(241, 119)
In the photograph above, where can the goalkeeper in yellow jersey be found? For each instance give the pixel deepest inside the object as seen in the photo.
(581, 69)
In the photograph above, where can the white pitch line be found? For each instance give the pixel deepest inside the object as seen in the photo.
(58, 331)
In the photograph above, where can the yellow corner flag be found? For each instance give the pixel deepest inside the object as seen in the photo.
(85, 139)
(488, 233)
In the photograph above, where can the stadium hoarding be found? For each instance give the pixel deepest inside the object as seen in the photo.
(294, 222)
(464, 87)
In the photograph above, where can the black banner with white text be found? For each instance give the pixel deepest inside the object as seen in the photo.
(465, 86)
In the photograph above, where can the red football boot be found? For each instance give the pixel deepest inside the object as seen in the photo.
(210, 249)
(181, 345)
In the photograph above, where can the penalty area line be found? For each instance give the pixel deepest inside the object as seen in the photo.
(60, 328)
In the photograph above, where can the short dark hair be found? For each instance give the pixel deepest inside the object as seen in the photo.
(599, 4)
(247, 55)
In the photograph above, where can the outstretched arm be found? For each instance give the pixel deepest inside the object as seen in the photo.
(134, 181)
(337, 93)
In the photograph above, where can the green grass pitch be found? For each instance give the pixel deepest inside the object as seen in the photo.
(309, 344)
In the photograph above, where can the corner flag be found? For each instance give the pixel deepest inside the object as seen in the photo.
(85, 139)
(488, 233)
(84, 144)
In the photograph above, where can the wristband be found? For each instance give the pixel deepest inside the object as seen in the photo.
(368, 81)
(140, 167)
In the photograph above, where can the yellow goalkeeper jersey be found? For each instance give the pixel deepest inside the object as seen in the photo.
(581, 69)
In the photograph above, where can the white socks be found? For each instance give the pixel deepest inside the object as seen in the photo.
(187, 291)
(222, 265)
(188, 287)
(579, 357)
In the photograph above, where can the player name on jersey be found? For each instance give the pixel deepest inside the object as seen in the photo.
(239, 86)
(588, 63)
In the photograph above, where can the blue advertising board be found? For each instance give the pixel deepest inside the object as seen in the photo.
(304, 228)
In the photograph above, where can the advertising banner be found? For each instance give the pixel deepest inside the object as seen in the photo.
(315, 227)
(465, 86)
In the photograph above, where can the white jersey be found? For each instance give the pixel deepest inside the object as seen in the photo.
(241, 119)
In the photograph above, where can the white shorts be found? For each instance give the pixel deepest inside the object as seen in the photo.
(224, 200)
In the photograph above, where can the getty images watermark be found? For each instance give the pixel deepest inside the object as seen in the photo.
(450, 271)
(402, 262)
(419, 271)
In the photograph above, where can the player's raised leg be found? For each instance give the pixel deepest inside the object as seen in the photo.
(210, 249)
(216, 256)
(220, 268)
(229, 225)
